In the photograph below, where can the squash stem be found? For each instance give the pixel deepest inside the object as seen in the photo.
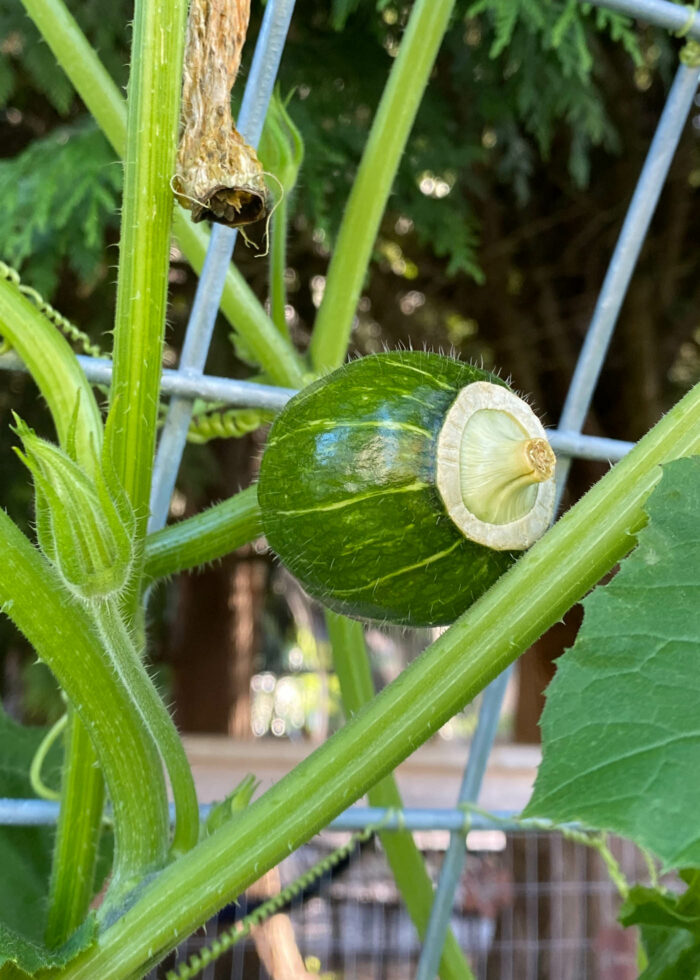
(209, 535)
(77, 835)
(352, 665)
(144, 248)
(380, 161)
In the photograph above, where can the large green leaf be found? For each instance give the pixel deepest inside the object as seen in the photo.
(621, 728)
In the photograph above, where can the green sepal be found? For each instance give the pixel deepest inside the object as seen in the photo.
(112, 485)
(236, 801)
(83, 529)
(659, 907)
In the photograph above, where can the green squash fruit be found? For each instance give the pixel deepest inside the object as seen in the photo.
(401, 486)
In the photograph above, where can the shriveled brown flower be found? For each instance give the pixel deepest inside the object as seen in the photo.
(219, 177)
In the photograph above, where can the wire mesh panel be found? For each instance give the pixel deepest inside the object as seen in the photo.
(528, 906)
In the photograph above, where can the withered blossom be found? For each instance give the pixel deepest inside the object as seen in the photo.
(219, 177)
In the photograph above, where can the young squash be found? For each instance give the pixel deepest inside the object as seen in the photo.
(401, 486)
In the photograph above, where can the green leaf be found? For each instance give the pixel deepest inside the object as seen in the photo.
(672, 954)
(656, 907)
(620, 728)
(670, 927)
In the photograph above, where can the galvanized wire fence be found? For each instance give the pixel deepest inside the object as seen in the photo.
(529, 906)
(189, 382)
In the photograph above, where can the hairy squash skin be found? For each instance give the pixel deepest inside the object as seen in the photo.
(348, 497)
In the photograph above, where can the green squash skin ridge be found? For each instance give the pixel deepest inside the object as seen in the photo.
(348, 497)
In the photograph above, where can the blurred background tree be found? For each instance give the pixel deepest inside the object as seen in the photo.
(504, 214)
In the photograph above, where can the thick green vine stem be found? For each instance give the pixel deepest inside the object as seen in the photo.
(77, 835)
(128, 665)
(144, 249)
(535, 593)
(370, 192)
(351, 662)
(53, 366)
(213, 533)
(64, 387)
(198, 962)
(64, 638)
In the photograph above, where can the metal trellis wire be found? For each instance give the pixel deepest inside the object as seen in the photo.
(189, 382)
(44, 813)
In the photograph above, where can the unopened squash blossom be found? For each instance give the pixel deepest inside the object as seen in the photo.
(401, 486)
(84, 523)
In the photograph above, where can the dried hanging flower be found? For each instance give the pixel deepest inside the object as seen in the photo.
(219, 177)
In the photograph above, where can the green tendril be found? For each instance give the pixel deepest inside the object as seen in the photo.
(692, 9)
(43, 791)
(690, 53)
(597, 840)
(68, 329)
(241, 930)
(231, 424)
(7, 272)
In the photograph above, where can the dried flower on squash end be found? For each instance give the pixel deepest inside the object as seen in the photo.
(219, 177)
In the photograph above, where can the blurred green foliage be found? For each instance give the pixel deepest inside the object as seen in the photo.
(58, 200)
(28, 67)
(513, 75)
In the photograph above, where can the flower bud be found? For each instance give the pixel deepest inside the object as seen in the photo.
(83, 528)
